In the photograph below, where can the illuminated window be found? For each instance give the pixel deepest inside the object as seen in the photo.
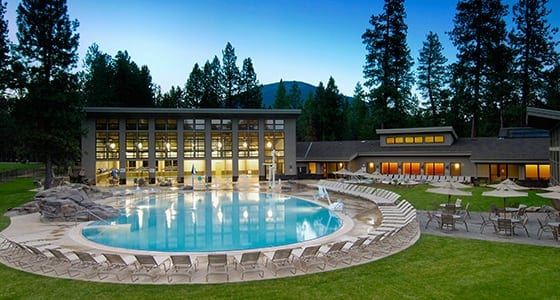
(439, 139)
(429, 139)
(390, 140)
(409, 140)
(399, 140)
(418, 140)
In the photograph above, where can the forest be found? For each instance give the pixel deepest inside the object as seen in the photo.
(497, 73)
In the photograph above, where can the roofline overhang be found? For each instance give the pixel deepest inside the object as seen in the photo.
(292, 113)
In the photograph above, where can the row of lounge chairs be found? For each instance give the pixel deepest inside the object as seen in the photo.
(377, 195)
(46, 259)
(397, 216)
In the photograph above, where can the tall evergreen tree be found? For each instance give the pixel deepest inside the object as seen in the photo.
(250, 94)
(281, 97)
(432, 77)
(194, 88)
(172, 98)
(212, 97)
(133, 85)
(7, 123)
(388, 65)
(534, 49)
(294, 96)
(360, 122)
(331, 116)
(98, 78)
(479, 33)
(50, 114)
(307, 122)
(230, 77)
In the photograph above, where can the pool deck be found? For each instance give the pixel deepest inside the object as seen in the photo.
(359, 217)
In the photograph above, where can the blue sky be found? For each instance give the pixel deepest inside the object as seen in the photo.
(286, 39)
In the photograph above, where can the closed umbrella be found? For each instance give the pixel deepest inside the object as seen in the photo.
(504, 192)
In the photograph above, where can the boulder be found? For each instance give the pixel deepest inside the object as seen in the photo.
(70, 203)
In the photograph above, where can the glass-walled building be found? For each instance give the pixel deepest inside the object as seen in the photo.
(167, 145)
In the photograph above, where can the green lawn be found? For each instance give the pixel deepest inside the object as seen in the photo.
(423, 200)
(4, 166)
(435, 267)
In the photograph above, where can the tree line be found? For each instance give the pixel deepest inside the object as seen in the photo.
(497, 74)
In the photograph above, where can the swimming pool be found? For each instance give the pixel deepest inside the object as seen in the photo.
(213, 221)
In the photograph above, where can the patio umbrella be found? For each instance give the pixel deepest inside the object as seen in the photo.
(343, 172)
(508, 184)
(504, 192)
(450, 184)
(554, 188)
(449, 191)
(554, 198)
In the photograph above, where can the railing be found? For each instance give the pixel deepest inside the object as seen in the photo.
(13, 174)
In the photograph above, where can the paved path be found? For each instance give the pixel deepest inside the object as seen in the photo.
(474, 224)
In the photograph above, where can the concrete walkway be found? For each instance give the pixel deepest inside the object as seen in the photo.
(474, 224)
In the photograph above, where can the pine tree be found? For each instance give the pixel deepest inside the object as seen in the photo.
(250, 95)
(212, 96)
(98, 78)
(49, 115)
(7, 123)
(534, 49)
(479, 33)
(194, 88)
(388, 65)
(330, 109)
(281, 100)
(230, 83)
(432, 77)
(294, 96)
(172, 98)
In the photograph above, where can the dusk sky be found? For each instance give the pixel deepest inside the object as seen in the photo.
(286, 39)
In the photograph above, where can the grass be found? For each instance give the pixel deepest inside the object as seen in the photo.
(4, 166)
(435, 267)
(423, 200)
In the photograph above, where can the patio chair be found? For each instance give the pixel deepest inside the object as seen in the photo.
(217, 265)
(544, 228)
(487, 222)
(249, 263)
(46, 263)
(87, 265)
(450, 209)
(281, 259)
(505, 226)
(74, 267)
(180, 265)
(146, 265)
(309, 257)
(114, 265)
(336, 254)
(432, 217)
(355, 248)
(522, 223)
(447, 222)
(458, 202)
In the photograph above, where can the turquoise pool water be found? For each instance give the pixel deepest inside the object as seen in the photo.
(213, 221)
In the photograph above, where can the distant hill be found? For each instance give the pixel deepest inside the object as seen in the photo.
(269, 91)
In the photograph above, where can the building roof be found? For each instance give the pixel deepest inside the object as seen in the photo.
(200, 112)
(543, 118)
(478, 150)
